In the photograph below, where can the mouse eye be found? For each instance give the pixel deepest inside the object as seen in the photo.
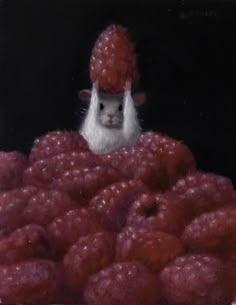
(101, 106)
(120, 107)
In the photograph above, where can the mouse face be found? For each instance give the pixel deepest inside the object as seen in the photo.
(110, 112)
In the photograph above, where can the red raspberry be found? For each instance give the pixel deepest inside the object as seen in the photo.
(12, 205)
(43, 172)
(89, 255)
(213, 231)
(12, 166)
(153, 249)
(137, 163)
(175, 158)
(113, 60)
(123, 283)
(44, 206)
(112, 203)
(163, 212)
(83, 184)
(66, 230)
(195, 280)
(204, 192)
(32, 282)
(56, 142)
(28, 242)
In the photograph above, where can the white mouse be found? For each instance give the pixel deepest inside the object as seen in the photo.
(111, 121)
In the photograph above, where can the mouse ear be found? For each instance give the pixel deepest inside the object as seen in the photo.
(84, 95)
(139, 98)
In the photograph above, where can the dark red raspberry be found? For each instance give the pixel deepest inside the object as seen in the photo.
(123, 283)
(113, 60)
(138, 163)
(46, 205)
(195, 280)
(152, 248)
(83, 184)
(12, 166)
(32, 282)
(56, 142)
(160, 212)
(87, 256)
(213, 231)
(12, 204)
(204, 192)
(43, 172)
(112, 203)
(66, 230)
(25, 243)
(176, 159)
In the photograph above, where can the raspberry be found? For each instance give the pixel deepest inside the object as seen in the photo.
(32, 282)
(43, 172)
(25, 243)
(112, 203)
(89, 255)
(137, 163)
(152, 248)
(175, 158)
(12, 204)
(82, 184)
(194, 279)
(123, 283)
(12, 165)
(56, 142)
(66, 230)
(113, 60)
(204, 192)
(213, 231)
(44, 206)
(160, 212)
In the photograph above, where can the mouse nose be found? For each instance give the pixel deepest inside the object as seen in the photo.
(110, 115)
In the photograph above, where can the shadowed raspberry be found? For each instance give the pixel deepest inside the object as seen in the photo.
(12, 165)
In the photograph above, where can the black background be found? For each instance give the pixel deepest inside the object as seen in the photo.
(187, 59)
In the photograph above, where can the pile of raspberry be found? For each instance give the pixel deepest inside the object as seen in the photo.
(138, 226)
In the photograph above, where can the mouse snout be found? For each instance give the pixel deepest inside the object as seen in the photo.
(110, 115)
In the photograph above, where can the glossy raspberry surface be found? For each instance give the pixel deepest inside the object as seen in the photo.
(123, 283)
(113, 60)
(25, 243)
(112, 203)
(56, 142)
(42, 173)
(194, 279)
(213, 231)
(66, 230)
(154, 249)
(31, 282)
(87, 256)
